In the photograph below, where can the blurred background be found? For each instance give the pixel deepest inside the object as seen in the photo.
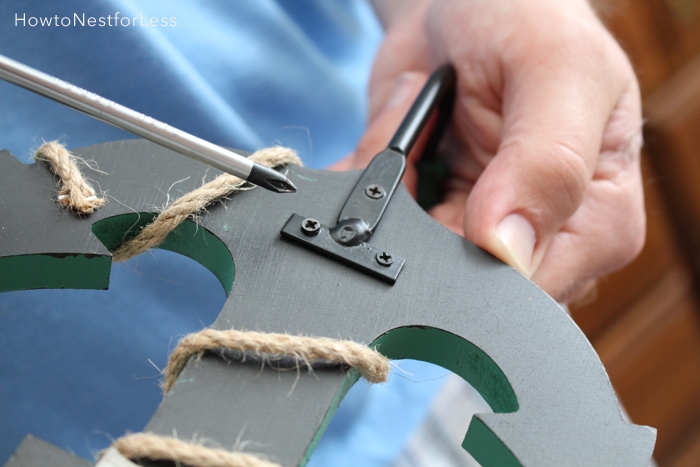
(645, 320)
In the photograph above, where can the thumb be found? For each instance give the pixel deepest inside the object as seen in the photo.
(383, 126)
(541, 171)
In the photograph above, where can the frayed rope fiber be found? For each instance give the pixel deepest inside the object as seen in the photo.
(373, 366)
(160, 448)
(75, 192)
(195, 201)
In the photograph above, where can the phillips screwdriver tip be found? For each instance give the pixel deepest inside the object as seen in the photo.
(272, 180)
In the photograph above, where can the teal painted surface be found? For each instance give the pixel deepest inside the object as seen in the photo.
(189, 239)
(56, 271)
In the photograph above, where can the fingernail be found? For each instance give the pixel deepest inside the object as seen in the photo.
(518, 238)
(402, 89)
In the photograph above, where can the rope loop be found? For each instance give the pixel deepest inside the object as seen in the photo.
(160, 448)
(195, 201)
(75, 193)
(373, 366)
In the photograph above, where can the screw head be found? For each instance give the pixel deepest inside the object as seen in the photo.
(374, 191)
(384, 259)
(310, 226)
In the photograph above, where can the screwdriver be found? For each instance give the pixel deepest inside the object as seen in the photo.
(144, 126)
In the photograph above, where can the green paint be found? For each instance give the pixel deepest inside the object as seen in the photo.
(76, 271)
(462, 358)
(468, 361)
(455, 354)
(189, 239)
(486, 448)
(54, 271)
(352, 377)
(419, 343)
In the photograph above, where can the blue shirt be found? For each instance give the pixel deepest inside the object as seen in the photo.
(82, 367)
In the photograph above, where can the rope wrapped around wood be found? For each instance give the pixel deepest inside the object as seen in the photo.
(195, 201)
(75, 193)
(161, 448)
(373, 366)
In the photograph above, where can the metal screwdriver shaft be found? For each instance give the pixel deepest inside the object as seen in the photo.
(143, 126)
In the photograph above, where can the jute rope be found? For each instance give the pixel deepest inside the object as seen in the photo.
(195, 201)
(75, 192)
(373, 366)
(77, 195)
(160, 448)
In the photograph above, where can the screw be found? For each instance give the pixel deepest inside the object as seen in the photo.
(384, 259)
(310, 226)
(375, 191)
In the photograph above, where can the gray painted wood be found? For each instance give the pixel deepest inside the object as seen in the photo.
(33, 452)
(567, 412)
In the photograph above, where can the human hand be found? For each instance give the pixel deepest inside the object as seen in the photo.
(547, 124)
